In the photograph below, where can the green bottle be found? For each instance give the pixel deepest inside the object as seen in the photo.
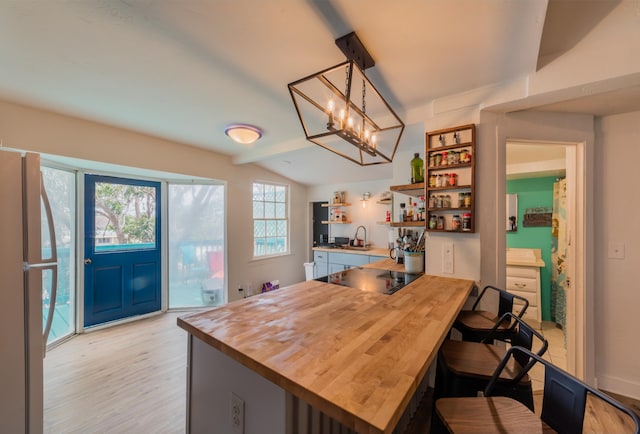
(417, 169)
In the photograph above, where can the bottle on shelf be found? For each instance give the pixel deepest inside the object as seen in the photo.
(417, 169)
(403, 213)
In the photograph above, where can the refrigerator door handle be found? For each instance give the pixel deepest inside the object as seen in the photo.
(53, 261)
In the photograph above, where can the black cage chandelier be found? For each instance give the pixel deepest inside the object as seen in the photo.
(341, 110)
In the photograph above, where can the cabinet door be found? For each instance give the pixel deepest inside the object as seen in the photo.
(321, 264)
(336, 268)
(353, 260)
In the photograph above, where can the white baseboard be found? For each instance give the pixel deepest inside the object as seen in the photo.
(620, 386)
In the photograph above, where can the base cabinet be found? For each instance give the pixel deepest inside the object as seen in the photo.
(525, 282)
(334, 262)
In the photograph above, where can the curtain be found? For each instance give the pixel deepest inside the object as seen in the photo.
(559, 253)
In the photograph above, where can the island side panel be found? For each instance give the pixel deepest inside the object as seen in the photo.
(213, 377)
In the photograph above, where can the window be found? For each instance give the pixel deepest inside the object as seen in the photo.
(196, 245)
(270, 219)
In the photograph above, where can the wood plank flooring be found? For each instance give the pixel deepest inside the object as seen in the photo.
(132, 378)
(128, 378)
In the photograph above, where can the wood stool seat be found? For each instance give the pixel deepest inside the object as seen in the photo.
(479, 361)
(475, 324)
(489, 415)
(465, 368)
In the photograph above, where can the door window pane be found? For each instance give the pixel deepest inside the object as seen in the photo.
(61, 190)
(125, 217)
(196, 245)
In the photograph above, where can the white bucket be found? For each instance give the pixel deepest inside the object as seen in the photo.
(308, 270)
(414, 262)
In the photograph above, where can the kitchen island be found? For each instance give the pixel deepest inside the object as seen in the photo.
(356, 356)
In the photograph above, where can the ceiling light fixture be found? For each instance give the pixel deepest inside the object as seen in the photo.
(364, 130)
(242, 133)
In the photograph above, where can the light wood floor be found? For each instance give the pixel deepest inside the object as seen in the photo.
(125, 379)
(132, 378)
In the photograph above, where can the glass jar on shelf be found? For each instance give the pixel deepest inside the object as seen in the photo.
(433, 221)
(456, 222)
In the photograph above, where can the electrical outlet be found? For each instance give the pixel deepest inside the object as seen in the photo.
(447, 257)
(237, 414)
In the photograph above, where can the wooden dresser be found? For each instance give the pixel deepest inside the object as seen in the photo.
(523, 278)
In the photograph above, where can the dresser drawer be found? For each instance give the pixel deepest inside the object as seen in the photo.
(530, 296)
(522, 271)
(522, 284)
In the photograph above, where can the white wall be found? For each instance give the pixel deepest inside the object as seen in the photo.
(45, 132)
(617, 297)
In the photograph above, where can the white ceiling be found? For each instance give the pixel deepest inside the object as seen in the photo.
(183, 70)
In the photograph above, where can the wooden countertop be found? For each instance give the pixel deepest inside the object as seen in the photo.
(374, 251)
(357, 356)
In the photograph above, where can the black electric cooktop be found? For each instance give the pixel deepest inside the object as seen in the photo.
(371, 279)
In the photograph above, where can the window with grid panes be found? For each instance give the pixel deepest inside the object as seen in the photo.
(270, 219)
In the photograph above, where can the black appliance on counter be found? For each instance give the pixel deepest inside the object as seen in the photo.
(371, 279)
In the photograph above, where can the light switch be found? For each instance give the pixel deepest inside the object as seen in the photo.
(447, 257)
(616, 250)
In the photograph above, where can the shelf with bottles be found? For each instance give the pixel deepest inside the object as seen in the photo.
(450, 169)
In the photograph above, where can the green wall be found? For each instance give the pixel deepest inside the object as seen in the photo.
(534, 193)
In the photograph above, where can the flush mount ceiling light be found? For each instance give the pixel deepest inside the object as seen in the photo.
(341, 110)
(242, 133)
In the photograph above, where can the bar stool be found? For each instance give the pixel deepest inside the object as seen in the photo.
(563, 405)
(476, 324)
(465, 368)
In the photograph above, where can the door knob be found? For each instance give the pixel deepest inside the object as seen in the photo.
(87, 261)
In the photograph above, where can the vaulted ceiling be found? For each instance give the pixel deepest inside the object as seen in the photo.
(184, 70)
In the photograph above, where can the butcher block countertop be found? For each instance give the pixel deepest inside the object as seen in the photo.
(372, 251)
(357, 356)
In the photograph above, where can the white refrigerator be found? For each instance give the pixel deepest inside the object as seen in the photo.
(23, 269)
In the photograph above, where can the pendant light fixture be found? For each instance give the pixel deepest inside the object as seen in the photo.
(341, 110)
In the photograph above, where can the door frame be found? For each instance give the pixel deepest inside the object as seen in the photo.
(576, 298)
(80, 247)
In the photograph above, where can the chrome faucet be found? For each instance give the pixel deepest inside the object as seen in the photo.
(355, 237)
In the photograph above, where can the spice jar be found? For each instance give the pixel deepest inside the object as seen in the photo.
(440, 224)
(445, 158)
(467, 200)
(432, 180)
(456, 222)
(437, 159)
(453, 179)
(433, 222)
(446, 202)
(432, 160)
(460, 200)
(432, 201)
(464, 155)
(466, 222)
(439, 201)
(451, 156)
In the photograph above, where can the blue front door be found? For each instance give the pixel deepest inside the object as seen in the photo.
(122, 271)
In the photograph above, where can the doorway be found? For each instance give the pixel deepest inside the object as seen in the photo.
(122, 276)
(320, 230)
(539, 171)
